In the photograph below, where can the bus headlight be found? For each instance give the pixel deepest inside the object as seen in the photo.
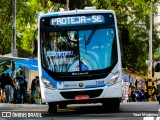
(114, 79)
(47, 83)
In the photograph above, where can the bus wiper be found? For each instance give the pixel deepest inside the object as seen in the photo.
(90, 37)
(85, 43)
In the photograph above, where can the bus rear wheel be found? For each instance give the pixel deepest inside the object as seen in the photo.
(52, 107)
(111, 105)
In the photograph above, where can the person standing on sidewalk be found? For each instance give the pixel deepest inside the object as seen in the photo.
(16, 90)
(2, 82)
(9, 88)
(34, 90)
(154, 92)
(23, 90)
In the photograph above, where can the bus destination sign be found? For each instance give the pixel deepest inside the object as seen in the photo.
(77, 20)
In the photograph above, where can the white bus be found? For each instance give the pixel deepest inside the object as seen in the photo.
(79, 59)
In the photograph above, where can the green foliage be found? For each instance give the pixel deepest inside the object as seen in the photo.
(133, 14)
(5, 66)
(26, 22)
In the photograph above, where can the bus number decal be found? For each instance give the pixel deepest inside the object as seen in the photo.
(100, 82)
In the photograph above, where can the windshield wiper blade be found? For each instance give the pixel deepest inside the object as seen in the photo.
(85, 43)
(90, 37)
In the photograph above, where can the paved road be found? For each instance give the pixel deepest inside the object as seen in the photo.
(128, 111)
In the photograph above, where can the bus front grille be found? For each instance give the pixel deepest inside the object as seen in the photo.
(90, 93)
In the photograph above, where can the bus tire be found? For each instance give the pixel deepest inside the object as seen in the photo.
(111, 105)
(52, 107)
(62, 106)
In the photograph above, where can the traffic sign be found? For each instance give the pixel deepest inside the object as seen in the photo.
(149, 61)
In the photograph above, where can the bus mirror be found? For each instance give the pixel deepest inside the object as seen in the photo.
(35, 44)
(35, 48)
(157, 67)
(59, 1)
(125, 36)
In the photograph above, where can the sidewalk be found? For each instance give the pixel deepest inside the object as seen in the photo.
(9, 105)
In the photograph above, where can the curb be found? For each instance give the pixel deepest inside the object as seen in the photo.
(8, 105)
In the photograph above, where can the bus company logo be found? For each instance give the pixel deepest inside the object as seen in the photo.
(64, 53)
(6, 114)
(70, 85)
(80, 84)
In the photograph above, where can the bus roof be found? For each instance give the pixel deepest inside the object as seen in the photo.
(76, 12)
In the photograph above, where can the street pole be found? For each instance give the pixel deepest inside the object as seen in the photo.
(14, 51)
(150, 43)
(67, 4)
(149, 89)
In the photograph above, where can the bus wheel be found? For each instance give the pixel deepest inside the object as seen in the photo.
(111, 105)
(62, 106)
(52, 107)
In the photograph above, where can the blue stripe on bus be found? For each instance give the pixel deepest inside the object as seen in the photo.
(50, 79)
(48, 15)
(94, 86)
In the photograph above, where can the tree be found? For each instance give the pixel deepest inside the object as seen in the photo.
(135, 16)
(79, 4)
(26, 19)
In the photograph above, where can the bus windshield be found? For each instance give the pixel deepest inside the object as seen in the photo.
(78, 50)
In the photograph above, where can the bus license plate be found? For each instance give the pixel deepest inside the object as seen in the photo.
(82, 97)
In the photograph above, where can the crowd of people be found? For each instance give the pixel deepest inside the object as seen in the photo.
(15, 90)
(142, 93)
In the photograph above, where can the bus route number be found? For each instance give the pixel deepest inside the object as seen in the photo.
(77, 20)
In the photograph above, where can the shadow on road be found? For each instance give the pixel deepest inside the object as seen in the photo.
(76, 111)
(126, 110)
